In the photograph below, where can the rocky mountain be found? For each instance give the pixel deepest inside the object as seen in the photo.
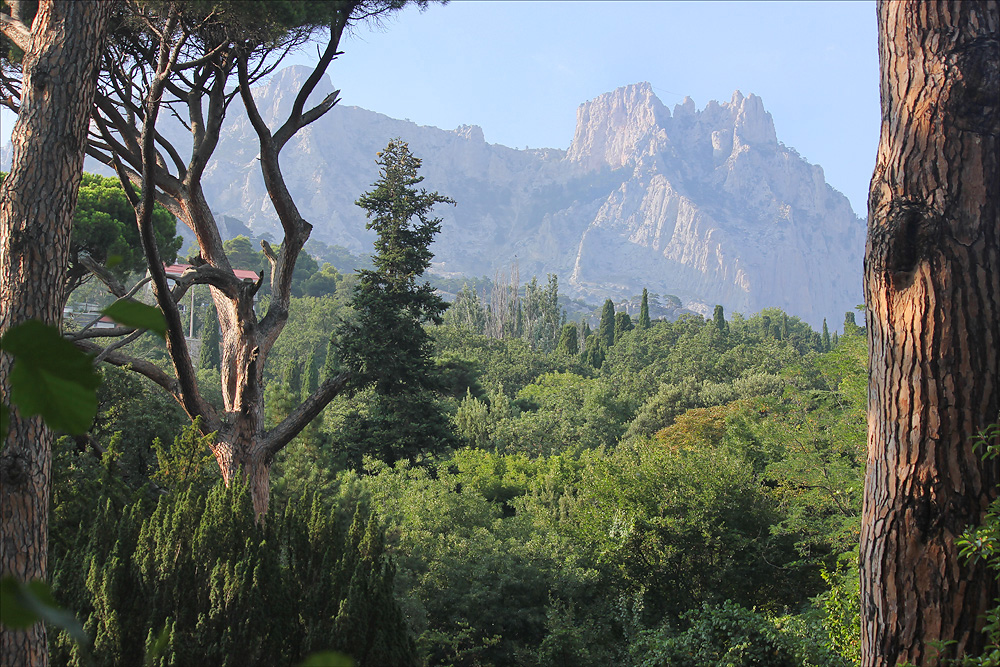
(703, 204)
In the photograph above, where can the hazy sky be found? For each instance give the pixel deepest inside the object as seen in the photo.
(520, 69)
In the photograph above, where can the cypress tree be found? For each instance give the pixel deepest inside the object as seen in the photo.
(292, 377)
(331, 365)
(851, 327)
(719, 318)
(834, 341)
(644, 322)
(765, 325)
(568, 342)
(594, 351)
(784, 326)
(606, 330)
(826, 337)
(311, 380)
(623, 323)
(208, 356)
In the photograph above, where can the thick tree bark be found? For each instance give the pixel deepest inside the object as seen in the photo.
(932, 285)
(37, 201)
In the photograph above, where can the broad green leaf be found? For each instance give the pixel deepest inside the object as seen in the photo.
(13, 613)
(23, 605)
(39, 598)
(139, 315)
(327, 659)
(51, 377)
(65, 405)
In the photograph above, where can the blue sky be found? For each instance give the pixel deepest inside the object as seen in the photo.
(520, 69)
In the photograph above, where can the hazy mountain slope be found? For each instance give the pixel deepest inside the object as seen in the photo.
(704, 204)
(707, 204)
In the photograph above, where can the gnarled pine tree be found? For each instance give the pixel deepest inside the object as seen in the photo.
(183, 59)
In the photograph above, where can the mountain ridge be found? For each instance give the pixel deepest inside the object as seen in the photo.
(706, 204)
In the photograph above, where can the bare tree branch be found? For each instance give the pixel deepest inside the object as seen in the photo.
(292, 425)
(140, 366)
(13, 29)
(190, 398)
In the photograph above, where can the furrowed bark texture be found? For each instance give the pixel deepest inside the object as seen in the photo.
(37, 201)
(932, 286)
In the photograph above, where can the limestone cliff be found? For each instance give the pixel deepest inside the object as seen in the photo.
(704, 204)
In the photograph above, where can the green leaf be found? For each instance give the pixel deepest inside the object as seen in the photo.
(23, 605)
(139, 315)
(327, 659)
(51, 377)
(13, 613)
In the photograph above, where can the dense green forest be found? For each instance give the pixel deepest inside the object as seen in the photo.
(331, 465)
(647, 492)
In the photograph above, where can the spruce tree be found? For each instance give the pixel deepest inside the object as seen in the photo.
(606, 330)
(387, 346)
(208, 356)
(644, 321)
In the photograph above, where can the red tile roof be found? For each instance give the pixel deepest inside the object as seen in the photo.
(177, 269)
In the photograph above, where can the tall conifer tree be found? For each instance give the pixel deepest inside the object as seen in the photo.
(644, 321)
(568, 342)
(310, 376)
(606, 330)
(623, 323)
(208, 355)
(388, 346)
(719, 318)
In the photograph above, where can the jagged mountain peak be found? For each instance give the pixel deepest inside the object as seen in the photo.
(704, 204)
(611, 128)
(278, 92)
(754, 125)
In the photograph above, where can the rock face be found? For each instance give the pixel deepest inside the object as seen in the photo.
(704, 204)
(712, 208)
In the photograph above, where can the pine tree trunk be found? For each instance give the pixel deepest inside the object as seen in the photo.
(241, 447)
(36, 217)
(932, 284)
